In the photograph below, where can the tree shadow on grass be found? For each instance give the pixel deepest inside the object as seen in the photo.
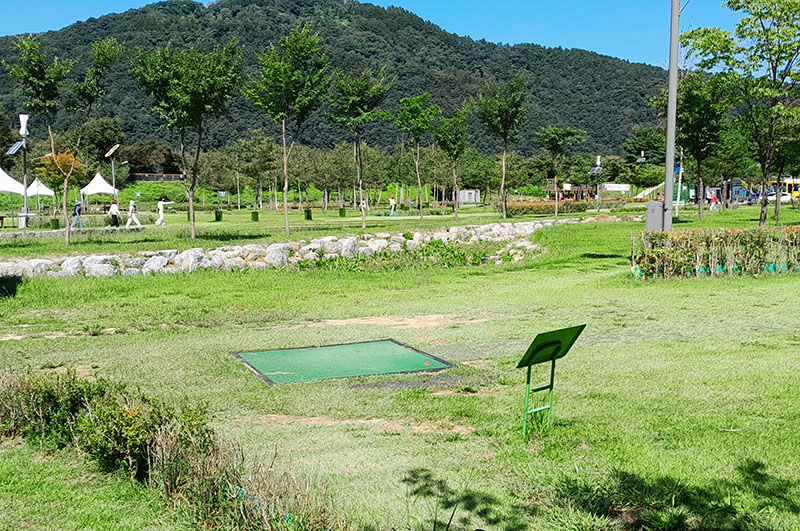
(468, 507)
(665, 503)
(8, 286)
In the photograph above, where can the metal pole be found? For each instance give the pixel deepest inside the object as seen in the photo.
(680, 185)
(113, 178)
(25, 181)
(238, 197)
(672, 104)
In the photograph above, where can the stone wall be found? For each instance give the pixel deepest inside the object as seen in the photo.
(261, 256)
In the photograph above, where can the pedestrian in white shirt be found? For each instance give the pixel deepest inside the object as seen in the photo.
(132, 215)
(113, 211)
(160, 208)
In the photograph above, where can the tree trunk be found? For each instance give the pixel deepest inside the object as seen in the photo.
(419, 182)
(285, 179)
(194, 181)
(455, 191)
(503, 186)
(359, 169)
(701, 198)
(778, 192)
(325, 201)
(66, 212)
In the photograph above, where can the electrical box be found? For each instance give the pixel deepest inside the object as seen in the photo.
(654, 219)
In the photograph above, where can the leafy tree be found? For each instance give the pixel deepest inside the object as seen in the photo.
(257, 159)
(502, 110)
(417, 119)
(760, 64)
(651, 140)
(555, 141)
(47, 170)
(188, 86)
(151, 156)
(451, 137)
(700, 119)
(355, 102)
(98, 135)
(8, 135)
(293, 84)
(42, 82)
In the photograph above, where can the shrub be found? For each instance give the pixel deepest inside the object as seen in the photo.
(716, 252)
(547, 207)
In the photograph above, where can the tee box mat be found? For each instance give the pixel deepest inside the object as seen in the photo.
(339, 361)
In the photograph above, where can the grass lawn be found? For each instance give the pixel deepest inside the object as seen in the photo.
(39, 491)
(676, 409)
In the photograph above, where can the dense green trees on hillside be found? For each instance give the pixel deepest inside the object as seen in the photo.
(602, 95)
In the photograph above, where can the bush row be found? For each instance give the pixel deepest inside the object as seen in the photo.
(173, 450)
(547, 207)
(716, 252)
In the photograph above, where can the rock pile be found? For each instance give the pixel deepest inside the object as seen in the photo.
(258, 256)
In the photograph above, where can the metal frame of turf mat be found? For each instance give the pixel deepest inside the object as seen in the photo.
(270, 382)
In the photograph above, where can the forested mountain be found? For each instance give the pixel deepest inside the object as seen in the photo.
(603, 95)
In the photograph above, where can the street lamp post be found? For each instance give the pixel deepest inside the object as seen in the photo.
(672, 105)
(113, 171)
(23, 132)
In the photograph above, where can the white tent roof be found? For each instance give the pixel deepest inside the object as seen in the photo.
(98, 186)
(37, 187)
(9, 185)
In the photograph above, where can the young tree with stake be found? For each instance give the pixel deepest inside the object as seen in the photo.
(354, 103)
(188, 86)
(451, 137)
(417, 119)
(502, 109)
(293, 84)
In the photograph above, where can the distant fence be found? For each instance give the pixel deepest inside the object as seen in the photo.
(154, 177)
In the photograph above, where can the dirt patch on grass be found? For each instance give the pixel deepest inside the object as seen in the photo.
(451, 392)
(392, 321)
(602, 218)
(479, 364)
(11, 337)
(81, 371)
(428, 339)
(378, 425)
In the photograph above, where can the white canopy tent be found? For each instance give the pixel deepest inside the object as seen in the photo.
(9, 185)
(98, 186)
(39, 189)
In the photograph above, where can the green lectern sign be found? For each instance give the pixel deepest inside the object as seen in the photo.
(547, 346)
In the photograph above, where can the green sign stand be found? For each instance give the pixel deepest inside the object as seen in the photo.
(548, 346)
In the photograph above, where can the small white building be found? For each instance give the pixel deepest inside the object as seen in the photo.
(469, 196)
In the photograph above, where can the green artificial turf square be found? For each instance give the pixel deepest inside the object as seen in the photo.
(339, 361)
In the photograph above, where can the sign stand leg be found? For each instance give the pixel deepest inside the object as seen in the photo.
(529, 392)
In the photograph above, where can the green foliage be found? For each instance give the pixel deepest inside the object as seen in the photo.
(451, 134)
(502, 108)
(293, 80)
(102, 56)
(40, 79)
(717, 252)
(651, 140)
(417, 117)
(355, 100)
(188, 85)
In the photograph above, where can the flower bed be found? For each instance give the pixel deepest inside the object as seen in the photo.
(716, 252)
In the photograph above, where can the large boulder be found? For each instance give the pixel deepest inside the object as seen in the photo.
(156, 264)
(277, 254)
(189, 260)
(98, 269)
(348, 247)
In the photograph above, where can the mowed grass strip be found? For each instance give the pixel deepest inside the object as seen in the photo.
(677, 405)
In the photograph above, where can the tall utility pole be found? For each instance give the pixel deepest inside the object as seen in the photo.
(672, 105)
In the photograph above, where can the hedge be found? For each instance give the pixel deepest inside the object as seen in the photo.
(547, 207)
(716, 252)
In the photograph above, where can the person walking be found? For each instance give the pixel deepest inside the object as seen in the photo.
(160, 208)
(132, 215)
(713, 202)
(76, 214)
(392, 205)
(113, 211)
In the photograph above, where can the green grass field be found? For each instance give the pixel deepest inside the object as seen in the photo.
(676, 409)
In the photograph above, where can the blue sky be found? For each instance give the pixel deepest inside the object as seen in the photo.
(636, 30)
